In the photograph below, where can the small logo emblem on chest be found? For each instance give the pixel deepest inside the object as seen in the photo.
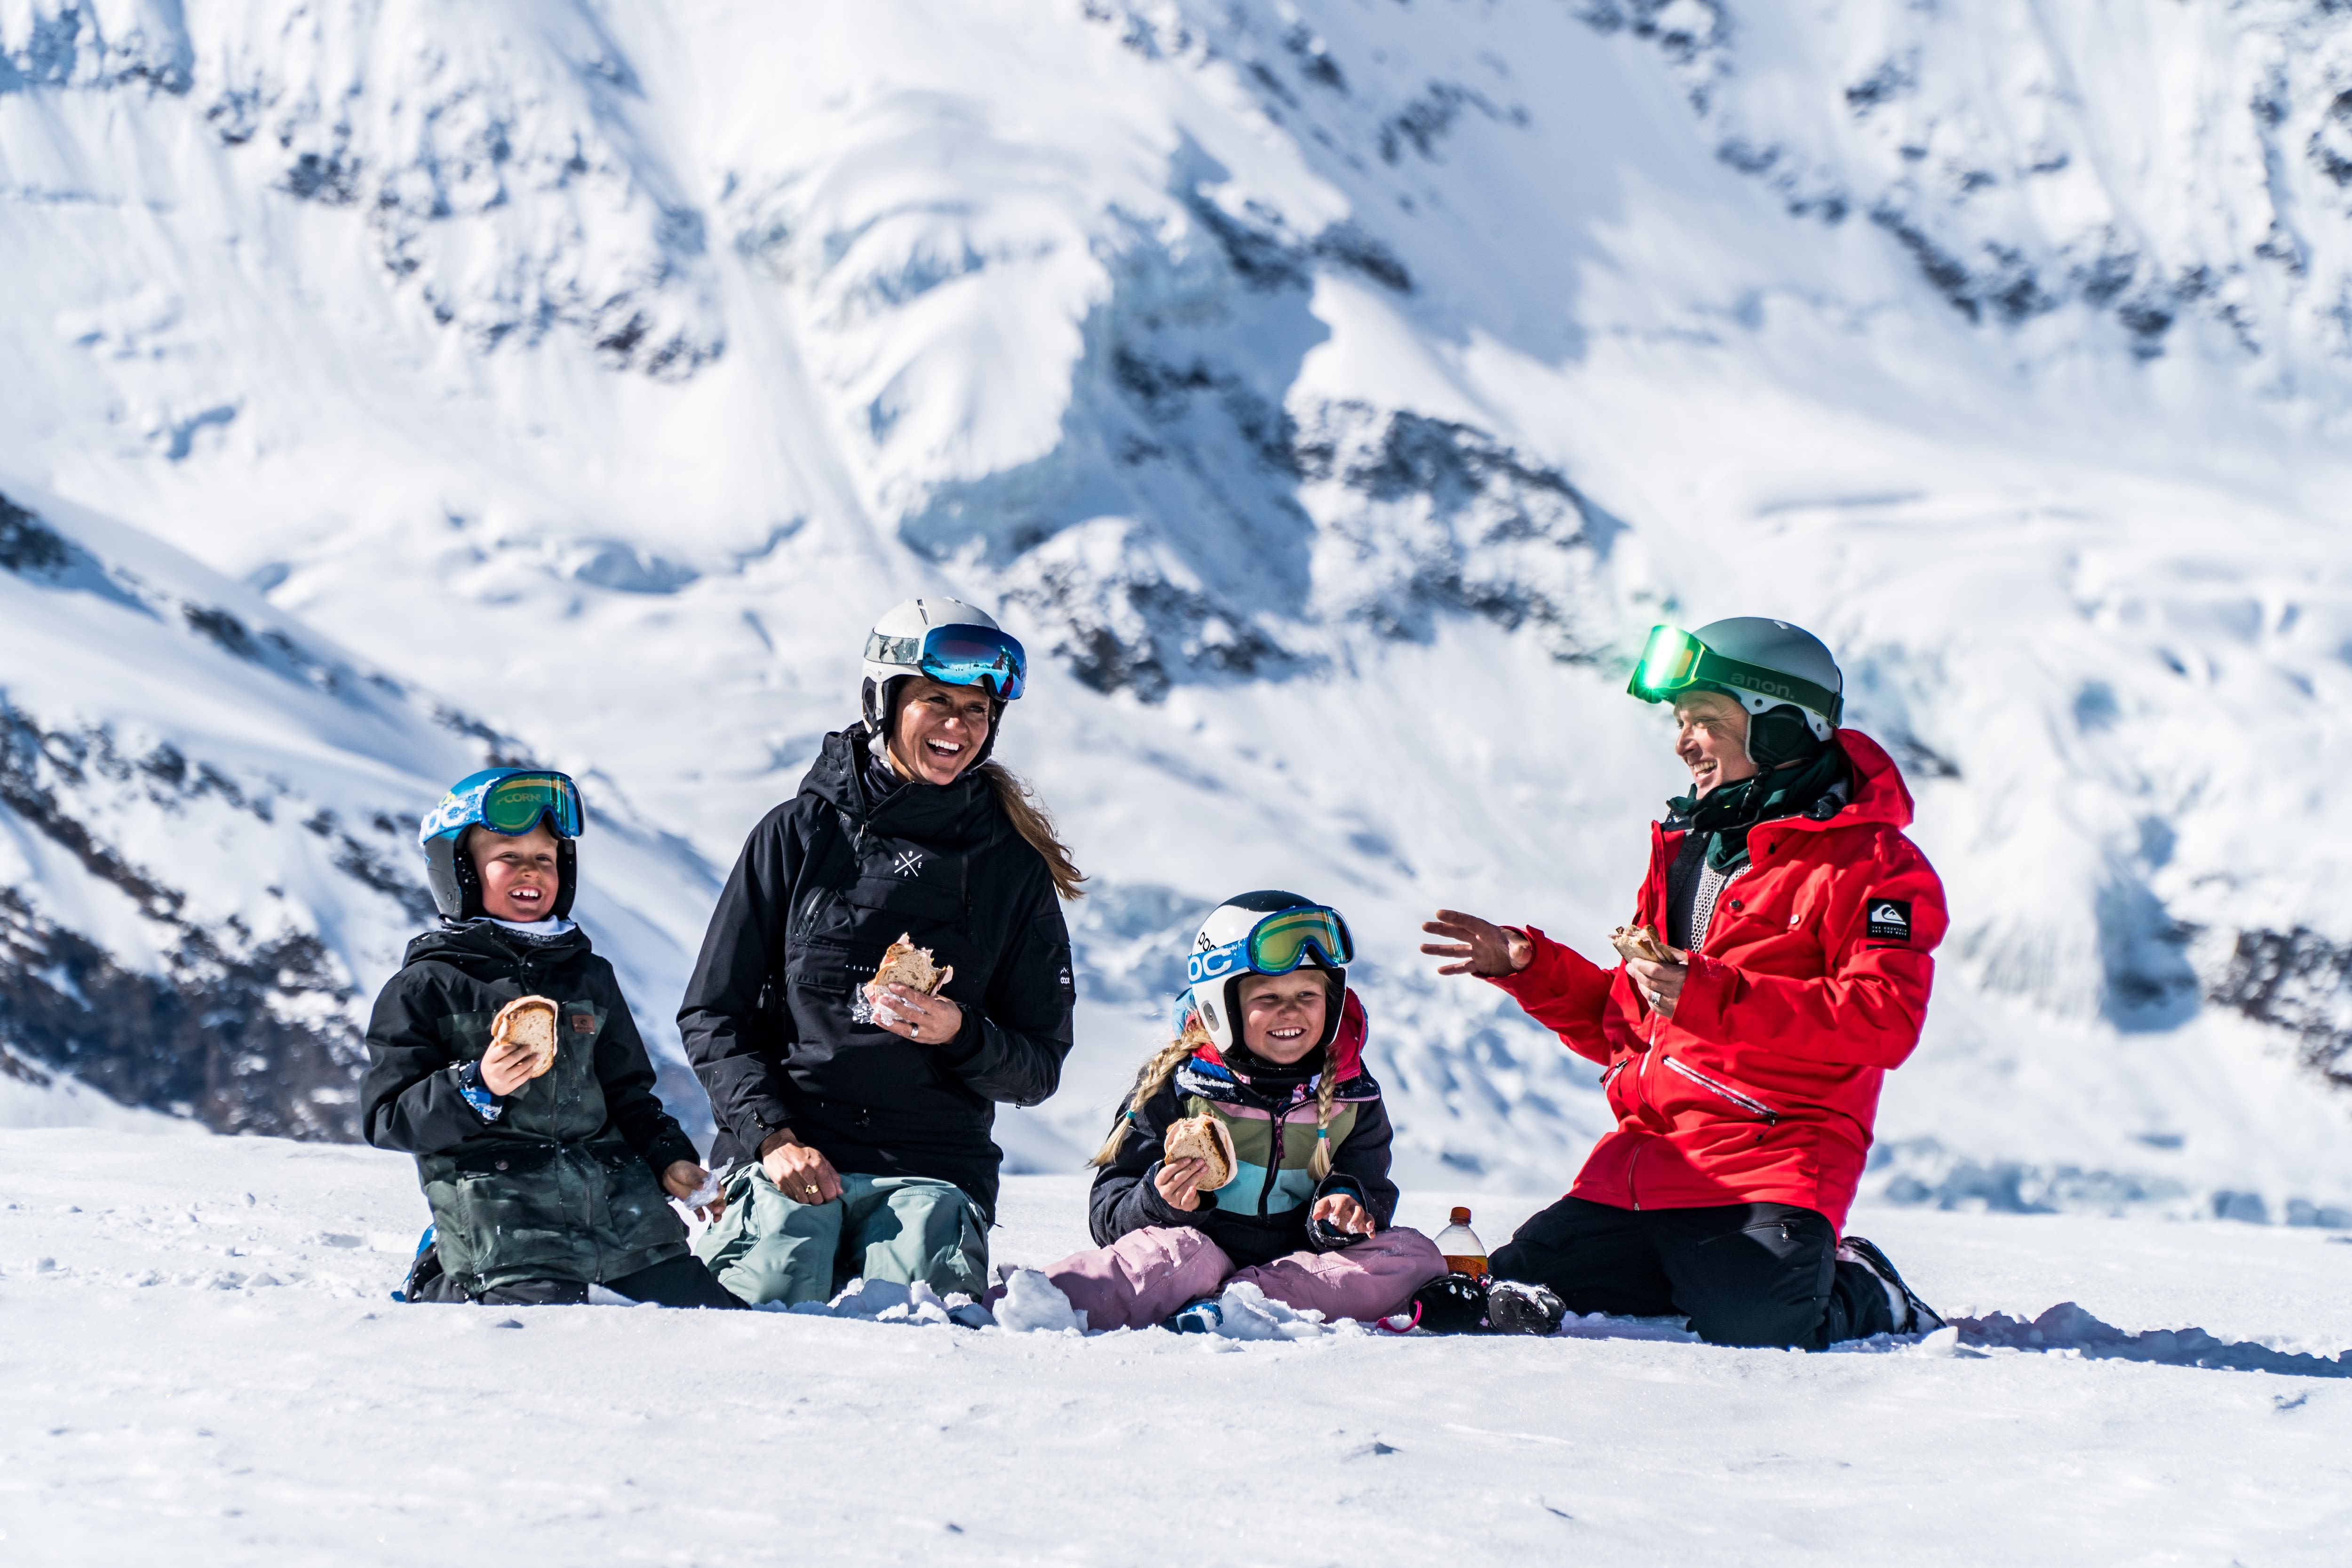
(584, 1023)
(909, 863)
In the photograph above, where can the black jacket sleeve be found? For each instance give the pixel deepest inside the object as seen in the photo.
(1124, 1198)
(720, 1021)
(626, 1069)
(1012, 1047)
(410, 1100)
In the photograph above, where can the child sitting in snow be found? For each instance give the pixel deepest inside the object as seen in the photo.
(1270, 1044)
(545, 1171)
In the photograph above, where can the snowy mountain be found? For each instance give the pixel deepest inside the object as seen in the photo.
(1332, 394)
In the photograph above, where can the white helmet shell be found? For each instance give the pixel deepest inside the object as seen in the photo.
(907, 622)
(1214, 998)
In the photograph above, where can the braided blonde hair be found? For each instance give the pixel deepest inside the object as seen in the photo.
(1327, 1088)
(1157, 1070)
(1162, 1063)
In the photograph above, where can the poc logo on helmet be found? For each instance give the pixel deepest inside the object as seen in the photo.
(1214, 964)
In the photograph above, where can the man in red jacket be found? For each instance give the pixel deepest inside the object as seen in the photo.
(1744, 1068)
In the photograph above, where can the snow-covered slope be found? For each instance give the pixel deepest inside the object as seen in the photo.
(202, 1364)
(1334, 393)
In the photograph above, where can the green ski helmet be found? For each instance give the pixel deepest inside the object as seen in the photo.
(1783, 675)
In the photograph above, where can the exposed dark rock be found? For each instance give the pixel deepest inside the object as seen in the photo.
(28, 546)
(1315, 61)
(2299, 980)
(1889, 81)
(2331, 144)
(239, 1035)
(1517, 542)
(201, 1041)
(332, 178)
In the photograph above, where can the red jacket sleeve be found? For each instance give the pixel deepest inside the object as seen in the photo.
(1565, 991)
(1866, 1009)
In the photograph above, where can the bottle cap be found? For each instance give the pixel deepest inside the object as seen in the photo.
(1460, 1217)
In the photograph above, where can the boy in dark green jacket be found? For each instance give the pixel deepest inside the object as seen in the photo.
(543, 1180)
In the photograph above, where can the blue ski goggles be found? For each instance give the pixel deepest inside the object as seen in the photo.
(1279, 944)
(959, 655)
(511, 803)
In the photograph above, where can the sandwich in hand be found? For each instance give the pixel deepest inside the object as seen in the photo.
(906, 964)
(1641, 941)
(1202, 1138)
(529, 1021)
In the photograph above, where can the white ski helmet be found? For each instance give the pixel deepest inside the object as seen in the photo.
(1264, 933)
(945, 640)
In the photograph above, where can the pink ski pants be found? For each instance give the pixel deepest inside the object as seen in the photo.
(1146, 1274)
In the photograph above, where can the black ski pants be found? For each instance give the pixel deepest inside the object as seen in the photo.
(679, 1282)
(1745, 1274)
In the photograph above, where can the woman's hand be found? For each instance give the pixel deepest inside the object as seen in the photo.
(800, 1172)
(1478, 947)
(1661, 984)
(926, 1020)
(506, 1067)
(684, 1179)
(1342, 1211)
(1178, 1183)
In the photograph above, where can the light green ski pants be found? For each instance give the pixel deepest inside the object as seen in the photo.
(767, 1247)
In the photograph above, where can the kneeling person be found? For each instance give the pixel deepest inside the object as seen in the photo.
(1291, 1190)
(1744, 1058)
(545, 1168)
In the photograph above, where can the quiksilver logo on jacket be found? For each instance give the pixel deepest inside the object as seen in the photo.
(1889, 920)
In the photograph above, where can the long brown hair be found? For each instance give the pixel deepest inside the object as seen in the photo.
(1029, 818)
(1021, 808)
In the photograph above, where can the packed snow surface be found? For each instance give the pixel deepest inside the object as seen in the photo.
(202, 1365)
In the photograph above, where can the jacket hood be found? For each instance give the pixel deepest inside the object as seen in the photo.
(468, 944)
(1879, 793)
(963, 815)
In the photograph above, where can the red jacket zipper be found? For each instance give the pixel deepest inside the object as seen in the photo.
(1754, 1107)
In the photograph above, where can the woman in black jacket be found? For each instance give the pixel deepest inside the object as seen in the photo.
(859, 1116)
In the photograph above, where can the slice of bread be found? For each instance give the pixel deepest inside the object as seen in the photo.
(1202, 1138)
(1640, 941)
(906, 964)
(529, 1021)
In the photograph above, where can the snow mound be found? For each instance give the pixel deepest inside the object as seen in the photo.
(1246, 1313)
(1033, 1304)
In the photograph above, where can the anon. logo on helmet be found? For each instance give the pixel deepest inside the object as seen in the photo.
(1888, 920)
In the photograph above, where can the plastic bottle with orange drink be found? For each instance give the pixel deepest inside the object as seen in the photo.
(1465, 1253)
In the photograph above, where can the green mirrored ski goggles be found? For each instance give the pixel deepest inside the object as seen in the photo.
(1674, 662)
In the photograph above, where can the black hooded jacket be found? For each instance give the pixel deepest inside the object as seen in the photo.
(826, 882)
(564, 1183)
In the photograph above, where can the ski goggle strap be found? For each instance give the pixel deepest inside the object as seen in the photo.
(1674, 662)
(959, 656)
(1279, 944)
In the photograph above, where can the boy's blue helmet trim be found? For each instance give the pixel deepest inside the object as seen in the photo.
(509, 801)
(512, 801)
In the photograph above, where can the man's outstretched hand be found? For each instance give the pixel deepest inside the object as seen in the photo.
(1475, 946)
